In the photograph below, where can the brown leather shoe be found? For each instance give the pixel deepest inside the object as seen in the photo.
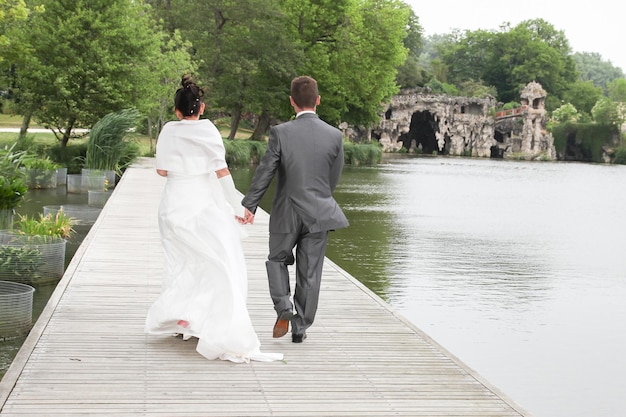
(281, 327)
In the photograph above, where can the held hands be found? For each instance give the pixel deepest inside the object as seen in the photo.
(247, 219)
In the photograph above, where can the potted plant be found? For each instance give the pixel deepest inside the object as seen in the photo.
(34, 253)
(12, 185)
(18, 263)
(40, 172)
(55, 225)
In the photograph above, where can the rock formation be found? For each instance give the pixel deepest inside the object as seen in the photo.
(523, 133)
(465, 126)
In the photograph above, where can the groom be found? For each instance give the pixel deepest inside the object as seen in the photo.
(306, 155)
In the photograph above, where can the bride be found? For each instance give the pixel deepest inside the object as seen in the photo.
(205, 284)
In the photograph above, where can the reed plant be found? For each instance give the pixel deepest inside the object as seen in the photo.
(257, 150)
(369, 153)
(106, 145)
(238, 152)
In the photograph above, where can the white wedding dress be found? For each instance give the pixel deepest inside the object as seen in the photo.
(204, 291)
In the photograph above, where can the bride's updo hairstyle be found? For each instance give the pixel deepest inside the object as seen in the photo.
(188, 97)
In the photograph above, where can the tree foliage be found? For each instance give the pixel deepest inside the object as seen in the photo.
(567, 113)
(11, 12)
(85, 58)
(75, 61)
(607, 112)
(162, 79)
(583, 95)
(248, 51)
(510, 58)
(617, 90)
(592, 67)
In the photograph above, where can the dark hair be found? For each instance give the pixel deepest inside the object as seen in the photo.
(304, 92)
(188, 98)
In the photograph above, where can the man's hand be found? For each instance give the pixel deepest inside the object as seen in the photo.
(249, 217)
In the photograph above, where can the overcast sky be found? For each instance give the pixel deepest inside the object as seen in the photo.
(598, 26)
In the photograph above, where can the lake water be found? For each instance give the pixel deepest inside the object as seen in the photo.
(517, 268)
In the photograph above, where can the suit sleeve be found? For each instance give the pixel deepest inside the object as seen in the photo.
(337, 167)
(264, 173)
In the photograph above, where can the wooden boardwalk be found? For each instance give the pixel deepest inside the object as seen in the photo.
(87, 355)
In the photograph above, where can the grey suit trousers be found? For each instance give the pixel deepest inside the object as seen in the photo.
(309, 260)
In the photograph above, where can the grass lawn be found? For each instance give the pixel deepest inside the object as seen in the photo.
(48, 138)
(7, 120)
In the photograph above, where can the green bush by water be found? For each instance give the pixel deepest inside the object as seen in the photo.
(369, 153)
(12, 184)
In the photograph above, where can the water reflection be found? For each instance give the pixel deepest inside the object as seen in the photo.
(364, 198)
(500, 275)
(518, 268)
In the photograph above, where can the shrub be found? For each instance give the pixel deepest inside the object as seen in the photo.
(620, 156)
(71, 156)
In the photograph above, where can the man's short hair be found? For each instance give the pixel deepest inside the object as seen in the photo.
(304, 92)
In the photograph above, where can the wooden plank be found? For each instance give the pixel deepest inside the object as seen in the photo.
(87, 355)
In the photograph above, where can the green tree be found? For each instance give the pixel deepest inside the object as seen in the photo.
(532, 50)
(410, 74)
(353, 48)
(617, 90)
(510, 58)
(11, 12)
(371, 51)
(248, 52)
(467, 55)
(473, 88)
(607, 112)
(592, 67)
(86, 58)
(243, 54)
(583, 95)
(564, 114)
(166, 72)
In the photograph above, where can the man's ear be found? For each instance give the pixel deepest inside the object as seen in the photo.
(317, 101)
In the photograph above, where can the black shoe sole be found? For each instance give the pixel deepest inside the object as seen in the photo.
(298, 338)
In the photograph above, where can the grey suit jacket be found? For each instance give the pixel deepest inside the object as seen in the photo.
(306, 155)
